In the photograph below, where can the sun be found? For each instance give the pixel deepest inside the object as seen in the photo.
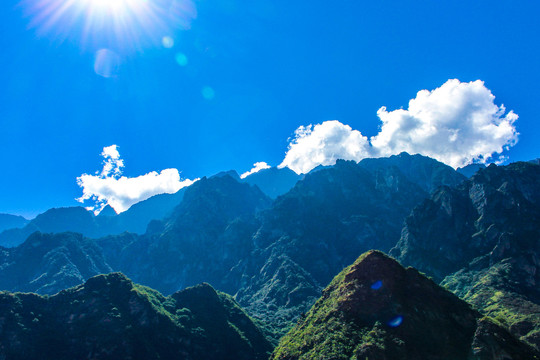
(117, 7)
(124, 23)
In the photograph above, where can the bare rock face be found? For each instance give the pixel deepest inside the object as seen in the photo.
(375, 308)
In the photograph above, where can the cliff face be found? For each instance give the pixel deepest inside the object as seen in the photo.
(482, 241)
(376, 309)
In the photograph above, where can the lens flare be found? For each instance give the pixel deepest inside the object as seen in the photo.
(377, 285)
(396, 321)
(114, 24)
(208, 93)
(181, 59)
(107, 63)
(168, 42)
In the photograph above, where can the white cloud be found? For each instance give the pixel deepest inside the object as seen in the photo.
(112, 164)
(457, 123)
(256, 168)
(323, 144)
(120, 192)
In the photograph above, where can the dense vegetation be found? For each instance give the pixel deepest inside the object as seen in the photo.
(376, 309)
(109, 317)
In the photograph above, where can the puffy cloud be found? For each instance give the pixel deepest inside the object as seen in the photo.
(457, 123)
(120, 192)
(323, 144)
(258, 166)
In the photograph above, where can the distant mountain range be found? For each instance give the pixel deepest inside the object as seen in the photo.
(478, 237)
(8, 221)
(15, 229)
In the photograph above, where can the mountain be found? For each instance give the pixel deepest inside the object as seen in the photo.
(376, 309)
(230, 234)
(8, 221)
(107, 211)
(425, 172)
(75, 219)
(274, 181)
(481, 240)
(323, 224)
(275, 256)
(206, 235)
(109, 317)
(138, 216)
(232, 173)
(78, 219)
(471, 169)
(48, 263)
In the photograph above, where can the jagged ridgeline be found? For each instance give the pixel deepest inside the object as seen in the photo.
(376, 309)
(110, 317)
(479, 237)
(275, 256)
(482, 241)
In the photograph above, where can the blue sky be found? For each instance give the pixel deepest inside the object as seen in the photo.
(265, 68)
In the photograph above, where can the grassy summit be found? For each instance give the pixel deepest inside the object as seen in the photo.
(376, 309)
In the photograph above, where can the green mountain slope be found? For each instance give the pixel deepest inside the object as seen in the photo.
(109, 317)
(376, 309)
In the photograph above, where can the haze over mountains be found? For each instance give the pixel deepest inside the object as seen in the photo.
(276, 240)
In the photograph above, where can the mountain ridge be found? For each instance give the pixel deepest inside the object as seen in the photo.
(375, 308)
(482, 241)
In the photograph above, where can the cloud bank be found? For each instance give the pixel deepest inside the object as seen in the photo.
(457, 123)
(256, 168)
(108, 187)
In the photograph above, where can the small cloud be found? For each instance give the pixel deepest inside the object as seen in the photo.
(112, 164)
(256, 168)
(120, 192)
(457, 123)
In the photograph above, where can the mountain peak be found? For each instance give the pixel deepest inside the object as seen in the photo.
(112, 280)
(107, 211)
(231, 173)
(377, 309)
